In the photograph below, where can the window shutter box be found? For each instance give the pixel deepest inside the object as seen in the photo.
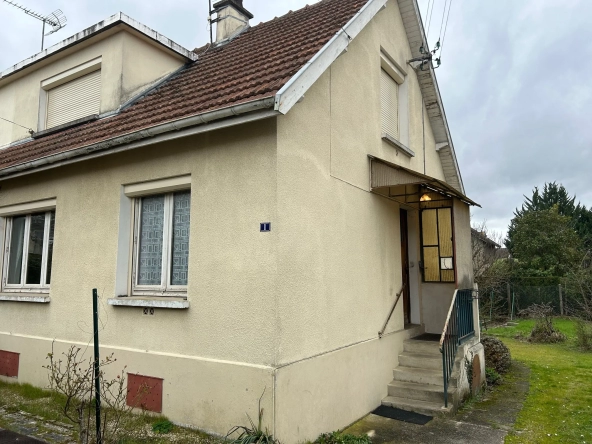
(389, 100)
(78, 98)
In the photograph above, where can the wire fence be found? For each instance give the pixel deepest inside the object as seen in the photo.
(507, 300)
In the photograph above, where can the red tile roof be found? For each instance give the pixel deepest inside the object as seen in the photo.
(253, 66)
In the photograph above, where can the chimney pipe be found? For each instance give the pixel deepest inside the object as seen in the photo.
(231, 19)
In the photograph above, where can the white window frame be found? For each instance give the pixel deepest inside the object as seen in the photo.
(59, 79)
(27, 210)
(146, 189)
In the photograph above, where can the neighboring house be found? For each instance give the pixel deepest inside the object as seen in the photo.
(248, 211)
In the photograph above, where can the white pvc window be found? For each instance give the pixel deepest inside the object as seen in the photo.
(28, 250)
(161, 243)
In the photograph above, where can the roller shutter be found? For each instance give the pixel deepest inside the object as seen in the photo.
(389, 98)
(78, 98)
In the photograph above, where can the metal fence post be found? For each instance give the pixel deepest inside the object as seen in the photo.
(97, 369)
(561, 301)
(509, 301)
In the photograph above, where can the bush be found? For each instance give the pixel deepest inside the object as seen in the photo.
(543, 331)
(584, 335)
(497, 355)
(162, 426)
(492, 377)
(341, 438)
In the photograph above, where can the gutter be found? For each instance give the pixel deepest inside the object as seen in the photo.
(200, 123)
(280, 104)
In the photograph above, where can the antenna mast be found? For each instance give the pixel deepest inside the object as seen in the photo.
(56, 19)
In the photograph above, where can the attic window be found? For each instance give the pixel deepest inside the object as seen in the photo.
(71, 95)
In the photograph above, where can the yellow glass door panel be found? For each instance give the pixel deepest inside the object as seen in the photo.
(431, 264)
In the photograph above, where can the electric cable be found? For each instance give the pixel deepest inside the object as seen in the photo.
(14, 123)
(430, 20)
(442, 22)
(445, 28)
(427, 10)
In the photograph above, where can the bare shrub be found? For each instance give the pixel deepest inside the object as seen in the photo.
(544, 330)
(73, 376)
(583, 334)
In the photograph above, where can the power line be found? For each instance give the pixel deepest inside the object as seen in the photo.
(442, 22)
(430, 19)
(445, 28)
(14, 123)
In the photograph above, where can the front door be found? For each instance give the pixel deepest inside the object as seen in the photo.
(405, 266)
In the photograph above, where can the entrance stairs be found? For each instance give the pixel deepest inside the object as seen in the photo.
(417, 383)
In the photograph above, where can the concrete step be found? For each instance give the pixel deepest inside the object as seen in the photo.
(421, 360)
(424, 347)
(423, 407)
(419, 392)
(422, 376)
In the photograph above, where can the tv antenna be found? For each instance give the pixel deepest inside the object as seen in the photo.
(56, 19)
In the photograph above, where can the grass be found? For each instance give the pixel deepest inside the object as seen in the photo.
(47, 405)
(558, 407)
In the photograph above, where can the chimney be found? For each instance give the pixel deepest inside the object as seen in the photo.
(231, 19)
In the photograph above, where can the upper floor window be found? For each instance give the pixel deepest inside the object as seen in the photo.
(394, 104)
(28, 251)
(389, 98)
(71, 95)
(73, 100)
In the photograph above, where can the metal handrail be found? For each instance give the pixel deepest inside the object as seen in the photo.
(458, 327)
(381, 332)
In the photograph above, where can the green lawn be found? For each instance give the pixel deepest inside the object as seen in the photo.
(559, 404)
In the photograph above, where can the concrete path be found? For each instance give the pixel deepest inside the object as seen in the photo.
(487, 421)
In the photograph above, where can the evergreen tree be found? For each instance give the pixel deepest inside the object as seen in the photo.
(554, 194)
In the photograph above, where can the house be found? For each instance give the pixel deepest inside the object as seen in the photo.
(250, 212)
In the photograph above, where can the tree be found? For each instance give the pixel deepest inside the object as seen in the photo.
(545, 244)
(554, 194)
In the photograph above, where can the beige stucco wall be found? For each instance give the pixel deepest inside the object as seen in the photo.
(296, 310)
(233, 189)
(129, 64)
(211, 394)
(464, 252)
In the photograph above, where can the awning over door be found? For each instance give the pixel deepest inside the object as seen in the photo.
(411, 187)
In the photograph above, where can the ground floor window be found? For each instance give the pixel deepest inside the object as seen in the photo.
(161, 243)
(28, 250)
(437, 245)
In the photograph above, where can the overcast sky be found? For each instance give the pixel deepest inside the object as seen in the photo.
(515, 81)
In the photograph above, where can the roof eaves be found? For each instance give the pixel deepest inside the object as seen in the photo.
(429, 87)
(87, 33)
(297, 86)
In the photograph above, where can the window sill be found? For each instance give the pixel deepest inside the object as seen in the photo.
(394, 142)
(24, 297)
(55, 129)
(151, 302)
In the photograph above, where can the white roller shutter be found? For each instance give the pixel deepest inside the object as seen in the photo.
(389, 98)
(78, 98)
